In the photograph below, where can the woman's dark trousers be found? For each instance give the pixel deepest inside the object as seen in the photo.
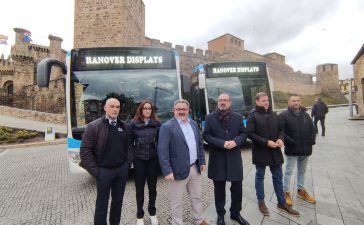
(146, 170)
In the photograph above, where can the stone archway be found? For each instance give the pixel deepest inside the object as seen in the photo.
(7, 93)
(9, 87)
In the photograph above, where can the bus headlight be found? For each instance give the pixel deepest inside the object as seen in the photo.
(74, 156)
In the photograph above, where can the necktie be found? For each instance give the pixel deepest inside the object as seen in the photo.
(113, 123)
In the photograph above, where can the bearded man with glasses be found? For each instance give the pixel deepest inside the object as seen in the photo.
(182, 159)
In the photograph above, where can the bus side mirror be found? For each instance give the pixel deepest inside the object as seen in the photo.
(202, 81)
(44, 69)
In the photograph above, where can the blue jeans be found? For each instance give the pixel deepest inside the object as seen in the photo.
(277, 177)
(301, 170)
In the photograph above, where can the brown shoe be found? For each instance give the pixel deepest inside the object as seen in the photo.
(204, 223)
(302, 193)
(263, 208)
(288, 209)
(289, 200)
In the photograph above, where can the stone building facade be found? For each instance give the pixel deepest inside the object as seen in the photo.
(122, 23)
(109, 23)
(358, 71)
(344, 86)
(18, 76)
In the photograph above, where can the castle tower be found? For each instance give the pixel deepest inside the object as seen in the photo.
(19, 35)
(20, 46)
(109, 23)
(55, 46)
(226, 43)
(327, 75)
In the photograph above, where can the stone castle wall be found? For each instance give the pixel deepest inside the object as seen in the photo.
(33, 115)
(19, 69)
(283, 77)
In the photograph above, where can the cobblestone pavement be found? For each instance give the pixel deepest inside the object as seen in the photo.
(37, 188)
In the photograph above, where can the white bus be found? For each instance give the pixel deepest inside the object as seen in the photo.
(241, 80)
(131, 74)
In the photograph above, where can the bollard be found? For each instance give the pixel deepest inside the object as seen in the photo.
(49, 134)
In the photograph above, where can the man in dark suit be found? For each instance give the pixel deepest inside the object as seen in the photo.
(224, 132)
(182, 159)
(104, 154)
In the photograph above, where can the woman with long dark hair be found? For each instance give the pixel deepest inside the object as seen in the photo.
(144, 137)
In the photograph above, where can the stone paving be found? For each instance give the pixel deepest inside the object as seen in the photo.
(36, 186)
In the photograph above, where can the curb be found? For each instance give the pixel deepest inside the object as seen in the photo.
(30, 144)
(356, 118)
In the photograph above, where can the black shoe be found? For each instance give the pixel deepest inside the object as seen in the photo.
(240, 220)
(220, 220)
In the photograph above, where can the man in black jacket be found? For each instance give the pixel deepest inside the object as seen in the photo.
(299, 136)
(104, 154)
(318, 112)
(224, 133)
(263, 129)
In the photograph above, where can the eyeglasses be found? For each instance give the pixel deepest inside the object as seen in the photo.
(147, 108)
(181, 109)
(223, 100)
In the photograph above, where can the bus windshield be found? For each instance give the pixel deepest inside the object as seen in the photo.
(242, 91)
(90, 88)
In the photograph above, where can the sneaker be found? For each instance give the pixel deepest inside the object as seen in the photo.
(302, 193)
(263, 208)
(154, 220)
(289, 200)
(288, 209)
(140, 221)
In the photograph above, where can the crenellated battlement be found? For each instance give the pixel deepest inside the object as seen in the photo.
(4, 62)
(6, 66)
(182, 50)
(38, 48)
(208, 55)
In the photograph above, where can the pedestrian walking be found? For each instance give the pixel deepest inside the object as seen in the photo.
(104, 154)
(318, 113)
(299, 136)
(144, 137)
(182, 159)
(224, 133)
(263, 129)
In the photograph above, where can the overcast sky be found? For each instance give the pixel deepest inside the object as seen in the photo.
(307, 32)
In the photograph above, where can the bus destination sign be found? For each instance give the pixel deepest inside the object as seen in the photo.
(100, 60)
(245, 69)
(122, 58)
(236, 69)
